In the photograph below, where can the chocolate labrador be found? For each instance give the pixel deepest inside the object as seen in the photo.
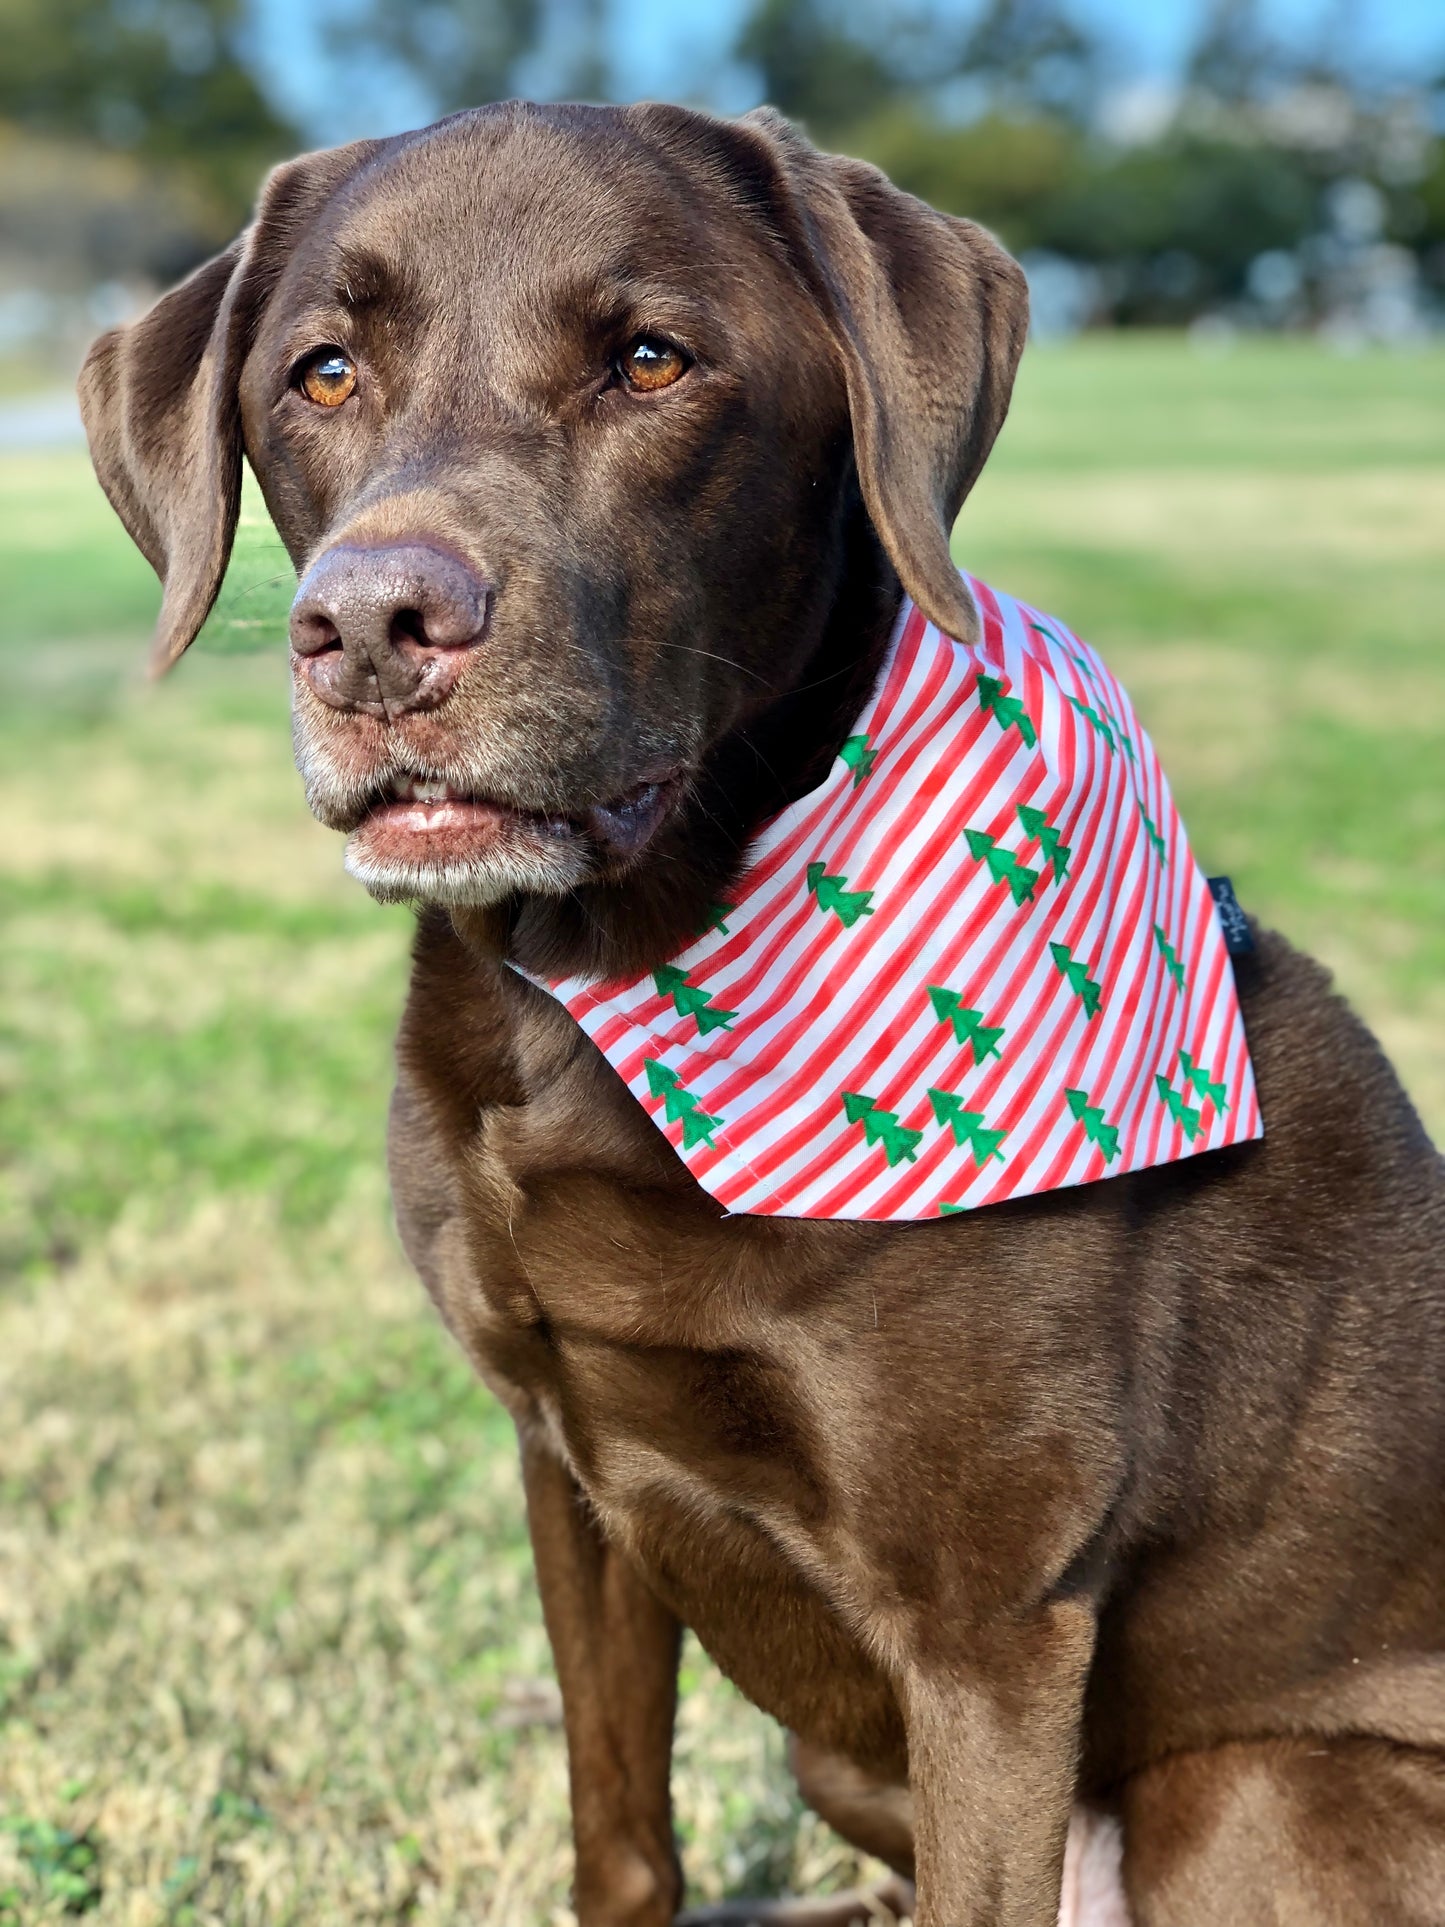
(606, 443)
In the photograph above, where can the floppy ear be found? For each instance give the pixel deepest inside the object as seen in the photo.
(929, 316)
(160, 402)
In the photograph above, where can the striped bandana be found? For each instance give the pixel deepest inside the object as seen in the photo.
(978, 961)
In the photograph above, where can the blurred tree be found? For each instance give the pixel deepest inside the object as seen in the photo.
(1234, 57)
(1179, 222)
(162, 81)
(833, 65)
(463, 53)
(1424, 226)
(1004, 170)
(1031, 57)
(814, 63)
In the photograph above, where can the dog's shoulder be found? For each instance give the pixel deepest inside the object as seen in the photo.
(1330, 1095)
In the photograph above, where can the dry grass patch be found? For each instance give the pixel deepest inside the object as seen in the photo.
(269, 1643)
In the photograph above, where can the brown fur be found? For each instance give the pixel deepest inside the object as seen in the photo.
(1130, 1493)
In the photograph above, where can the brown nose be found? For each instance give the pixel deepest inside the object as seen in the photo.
(387, 630)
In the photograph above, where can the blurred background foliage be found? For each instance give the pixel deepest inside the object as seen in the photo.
(1274, 180)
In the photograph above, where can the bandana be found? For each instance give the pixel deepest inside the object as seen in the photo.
(978, 961)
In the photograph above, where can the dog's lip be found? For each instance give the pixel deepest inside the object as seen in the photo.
(425, 806)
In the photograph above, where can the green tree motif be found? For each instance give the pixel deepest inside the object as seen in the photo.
(946, 1210)
(859, 758)
(1037, 825)
(1166, 950)
(968, 1025)
(1205, 1084)
(1007, 711)
(1077, 973)
(881, 1127)
(1184, 1114)
(679, 1104)
(1161, 849)
(691, 1000)
(833, 894)
(969, 1129)
(1091, 1116)
(714, 917)
(1100, 723)
(1003, 865)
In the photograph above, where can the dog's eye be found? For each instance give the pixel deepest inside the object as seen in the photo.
(327, 377)
(650, 363)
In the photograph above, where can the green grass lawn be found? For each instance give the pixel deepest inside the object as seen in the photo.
(269, 1647)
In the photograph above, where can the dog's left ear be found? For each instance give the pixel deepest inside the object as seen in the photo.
(929, 316)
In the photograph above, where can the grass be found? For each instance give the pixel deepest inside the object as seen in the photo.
(269, 1646)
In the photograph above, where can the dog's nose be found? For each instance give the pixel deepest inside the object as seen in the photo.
(387, 630)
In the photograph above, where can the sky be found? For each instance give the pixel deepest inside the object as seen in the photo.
(1157, 33)
(665, 47)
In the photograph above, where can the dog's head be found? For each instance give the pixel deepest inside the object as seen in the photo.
(570, 419)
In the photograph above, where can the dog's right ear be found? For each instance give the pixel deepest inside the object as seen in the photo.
(160, 402)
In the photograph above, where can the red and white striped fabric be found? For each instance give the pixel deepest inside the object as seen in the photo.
(978, 961)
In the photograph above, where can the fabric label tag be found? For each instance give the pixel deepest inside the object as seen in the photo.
(1238, 937)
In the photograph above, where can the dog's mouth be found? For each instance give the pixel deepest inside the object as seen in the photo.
(426, 824)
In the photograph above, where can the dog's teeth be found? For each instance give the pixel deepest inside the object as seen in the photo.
(425, 789)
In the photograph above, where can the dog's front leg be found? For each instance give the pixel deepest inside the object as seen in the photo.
(616, 1650)
(993, 1742)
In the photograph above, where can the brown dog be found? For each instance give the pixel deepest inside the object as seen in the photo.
(604, 440)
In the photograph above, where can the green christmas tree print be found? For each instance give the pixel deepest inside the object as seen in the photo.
(1161, 849)
(948, 1210)
(715, 917)
(691, 1000)
(1037, 825)
(1081, 663)
(1007, 711)
(679, 1104)
(969, 1129)
(1080, 982)
(1184, 1114)
(1206, 1085)
(859, 758)
(1003, 866)
(968, 1025)
(1210, 1089)
(1100, 723)
(833, 894)
(882, 1127)
(1091, 1116)
(1166, 949)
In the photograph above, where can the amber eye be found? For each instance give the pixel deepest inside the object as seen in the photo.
(650, 362)
(327, 377)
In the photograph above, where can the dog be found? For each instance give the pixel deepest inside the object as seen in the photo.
(607, 444)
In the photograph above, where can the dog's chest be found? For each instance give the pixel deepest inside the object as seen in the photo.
(701, 1435)
(652, 1339)
(693, 1370)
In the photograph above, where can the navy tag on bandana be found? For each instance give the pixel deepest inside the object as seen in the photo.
(1238, 937)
